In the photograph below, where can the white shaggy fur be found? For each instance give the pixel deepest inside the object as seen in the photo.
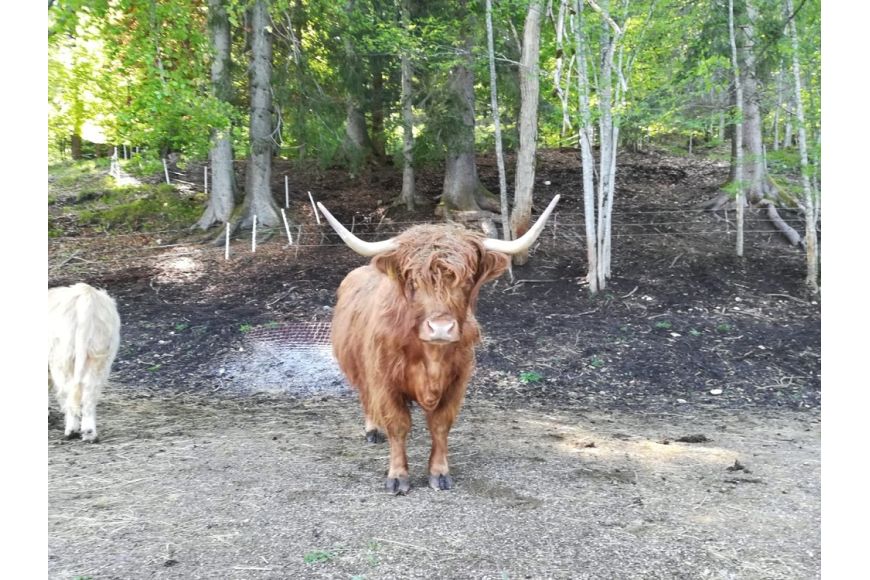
(83, 337)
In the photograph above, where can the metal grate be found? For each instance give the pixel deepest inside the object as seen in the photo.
(296, 335)
(294, 357)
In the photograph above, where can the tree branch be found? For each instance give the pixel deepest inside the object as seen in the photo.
(605, 16)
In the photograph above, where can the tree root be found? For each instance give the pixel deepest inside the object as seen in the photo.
(789, 232)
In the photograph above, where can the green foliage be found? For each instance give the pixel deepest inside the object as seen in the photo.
(318, 556)
(530, 377)
(663, 325)
(137, 72)
(245, 327)
(723, 327)
(596, 362)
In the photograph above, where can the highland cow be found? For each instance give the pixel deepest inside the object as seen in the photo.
(83, 338)
(404, 330)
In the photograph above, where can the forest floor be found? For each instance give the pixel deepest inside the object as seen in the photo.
(667, 428)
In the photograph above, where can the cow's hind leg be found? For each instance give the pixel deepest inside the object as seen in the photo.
(398, 425)
(90, 393)
(72, 409)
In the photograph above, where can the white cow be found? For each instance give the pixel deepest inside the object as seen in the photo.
(83, 337)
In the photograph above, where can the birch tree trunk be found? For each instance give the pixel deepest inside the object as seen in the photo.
(778, 110)
(407, 115)
(738, 128)
(528, 126)
(561, 92)
(586, 155)
(258, 193)
(222, 194)
(810, 200)
(608, 148)
(499, 154)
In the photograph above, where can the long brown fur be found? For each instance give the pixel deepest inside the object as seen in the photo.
(375, 332)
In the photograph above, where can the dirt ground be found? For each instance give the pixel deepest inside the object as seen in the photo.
(667, 428)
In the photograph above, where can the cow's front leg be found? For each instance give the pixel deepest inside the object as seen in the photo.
(398, 426)
(374, 434)
(440, 421)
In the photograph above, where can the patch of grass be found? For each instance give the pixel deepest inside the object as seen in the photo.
(271, 324)
(724, 327)
(317, 557)
(663, 325)
(142, 208)
(372, 553)
(596, 362)
(181, 326)
(245, 327)
(694, 332)
(154, 368)
(530, 377)
(140, 166)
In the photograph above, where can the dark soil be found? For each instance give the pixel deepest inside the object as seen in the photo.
(682, 315)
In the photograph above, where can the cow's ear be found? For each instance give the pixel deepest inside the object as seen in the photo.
(491, 266)
(388, 263)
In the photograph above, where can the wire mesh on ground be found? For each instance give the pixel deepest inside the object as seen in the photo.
(295, 357)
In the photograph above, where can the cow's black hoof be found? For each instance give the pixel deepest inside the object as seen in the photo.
(398, 485)
(440, 481)
(375, 436)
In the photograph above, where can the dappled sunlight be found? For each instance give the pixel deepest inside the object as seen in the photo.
(180, 266)
(653, 454)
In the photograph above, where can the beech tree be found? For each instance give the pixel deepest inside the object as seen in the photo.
(223, 181)
(258, 191)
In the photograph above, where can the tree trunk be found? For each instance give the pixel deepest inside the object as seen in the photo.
(561, 92)
(378, 137)
(357, 144)
(756, 170)
(75, 143)
(493, 92)
(528, 126)
(258, 193)
(738, 129)
(607, 149)
(810, 200)
(778, 110)
(586, 155)
(407, 116)
(222, 195)
(462, 188)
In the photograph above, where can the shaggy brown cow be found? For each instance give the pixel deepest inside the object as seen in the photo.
(404, 330)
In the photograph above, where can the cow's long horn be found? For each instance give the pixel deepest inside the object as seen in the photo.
(356, 244)
(525, 241)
